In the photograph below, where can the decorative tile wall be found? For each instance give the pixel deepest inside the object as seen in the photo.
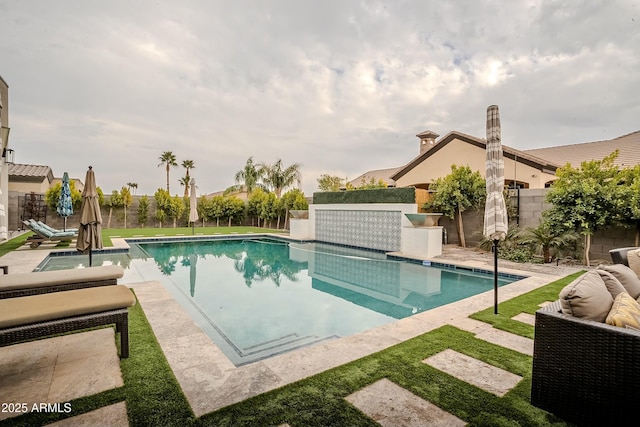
(372, 229)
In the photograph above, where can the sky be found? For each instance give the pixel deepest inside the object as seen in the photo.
(339, 87)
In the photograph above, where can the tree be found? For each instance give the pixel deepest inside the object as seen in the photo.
(630, 187)
(247, 178)
(277, 178)
(329, 183)
(168, 159)
(586, 199)
(132, 185)
(127, 199)
(457, 192)
(233, 208)
(176, 209)
(547, 240)
(53, 194)
(115, 201)
(254, 204)
(185, 181)
(293, 200)
(143, 210)
(188, 165)
(163, 200)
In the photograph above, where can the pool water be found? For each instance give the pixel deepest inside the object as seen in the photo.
(260, 297)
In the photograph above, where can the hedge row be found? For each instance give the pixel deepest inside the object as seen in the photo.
(374, 195)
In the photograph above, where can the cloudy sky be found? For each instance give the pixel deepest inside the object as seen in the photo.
(340, 87)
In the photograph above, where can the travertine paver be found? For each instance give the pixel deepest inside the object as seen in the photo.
(505, 339)
(57, 370)
(108, 416)
(474, 371)
(527, 318)
(390, 405)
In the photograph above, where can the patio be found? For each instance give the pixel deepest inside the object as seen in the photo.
(210, 382)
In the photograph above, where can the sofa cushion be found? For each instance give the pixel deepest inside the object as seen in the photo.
(633, 257)
(587, 297)
(613, 285)
(626, 276)
(625, 312)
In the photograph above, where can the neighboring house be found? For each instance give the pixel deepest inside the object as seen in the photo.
(4, 149)
(522, 168)
(240, 194)
(78, 185)
(574, 154)
(30, 178)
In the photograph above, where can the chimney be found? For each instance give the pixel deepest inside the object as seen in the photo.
(427, 140)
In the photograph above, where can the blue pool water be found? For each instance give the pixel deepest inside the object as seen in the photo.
(260, 297)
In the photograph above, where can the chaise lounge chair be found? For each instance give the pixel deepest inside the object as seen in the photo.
(55, 230)
(43, 235)
(39, 316)
(24, 284)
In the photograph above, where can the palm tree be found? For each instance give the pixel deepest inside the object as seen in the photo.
(544, 239)
(279, 179)
(248, 177)
(132, 185)
(168, 159)
(186, 181)
(187, 164)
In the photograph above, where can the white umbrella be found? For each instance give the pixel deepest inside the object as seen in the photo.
(496, 221)
(90, 231)
(193, 206)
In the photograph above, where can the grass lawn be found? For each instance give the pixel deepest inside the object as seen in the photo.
(154, 398)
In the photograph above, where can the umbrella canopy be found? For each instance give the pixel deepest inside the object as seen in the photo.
(90, 231)
(495, 213)
(193, 203)
(65, 204)
(496, 221)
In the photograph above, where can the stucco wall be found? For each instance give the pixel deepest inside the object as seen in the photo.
(439, 165)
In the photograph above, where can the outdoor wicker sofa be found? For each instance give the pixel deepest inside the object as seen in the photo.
(585, 370)
(39, 316)
(23, 284)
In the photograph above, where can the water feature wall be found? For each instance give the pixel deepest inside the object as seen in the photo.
(368, 225)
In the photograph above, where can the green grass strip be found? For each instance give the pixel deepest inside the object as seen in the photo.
(154, 397)
(526, 303)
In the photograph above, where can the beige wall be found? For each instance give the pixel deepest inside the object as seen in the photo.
(29, 187)
(461, 153)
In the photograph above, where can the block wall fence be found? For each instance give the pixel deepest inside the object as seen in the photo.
(531, 205)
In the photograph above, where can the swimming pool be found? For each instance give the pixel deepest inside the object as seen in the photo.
(259, 297)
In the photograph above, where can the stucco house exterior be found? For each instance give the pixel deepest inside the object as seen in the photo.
(530, 169)
(4, 141)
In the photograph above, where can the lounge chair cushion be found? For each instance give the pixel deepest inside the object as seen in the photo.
(587, 297)
(625, 312)
(59, 305)
(633, 257)
(613, 285)
(626, 277)
(59, 277)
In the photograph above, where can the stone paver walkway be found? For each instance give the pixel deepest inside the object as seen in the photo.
(390, 405)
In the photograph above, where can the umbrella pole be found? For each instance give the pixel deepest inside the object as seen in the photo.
(495, 276)
(90, 260)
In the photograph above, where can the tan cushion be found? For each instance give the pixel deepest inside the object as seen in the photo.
(58, 277)
(633, 258)
(626, 277)
(587, 297)
(613, 285)
(58, 305)
(625, 312)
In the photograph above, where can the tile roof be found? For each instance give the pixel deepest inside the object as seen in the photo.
(376, 174)
(629, 146)
(16, 169)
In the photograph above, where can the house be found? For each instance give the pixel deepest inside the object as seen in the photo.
(30, 178)
(435, 158)
(522, 168)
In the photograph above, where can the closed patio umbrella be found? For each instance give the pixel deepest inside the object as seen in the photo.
(193, 207)
(65, 204)
(90, 232)
(496, 222)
